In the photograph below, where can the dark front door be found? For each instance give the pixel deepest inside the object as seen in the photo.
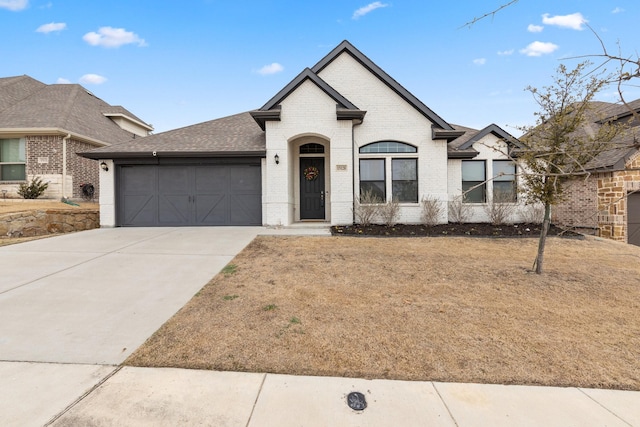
(312, 188)
(633, 218)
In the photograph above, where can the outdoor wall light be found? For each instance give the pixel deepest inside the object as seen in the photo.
(277, 159)
(104, 167)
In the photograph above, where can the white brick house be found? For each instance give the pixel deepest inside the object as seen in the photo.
(338, 128)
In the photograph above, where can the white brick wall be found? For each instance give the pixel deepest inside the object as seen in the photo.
(490, 148)
(308, 115)
(107, 195)
(389, 117)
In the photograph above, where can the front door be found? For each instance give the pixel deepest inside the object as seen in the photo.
(312, 195)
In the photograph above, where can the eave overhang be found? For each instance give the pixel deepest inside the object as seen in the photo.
(104, 155)
(20, 132)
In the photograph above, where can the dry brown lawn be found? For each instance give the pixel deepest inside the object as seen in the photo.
(441, 309)
(9, 206)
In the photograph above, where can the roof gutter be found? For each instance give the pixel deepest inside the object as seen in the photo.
(182, 154)
(50, 131)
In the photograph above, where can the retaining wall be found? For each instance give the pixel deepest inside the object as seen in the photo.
(50, 221)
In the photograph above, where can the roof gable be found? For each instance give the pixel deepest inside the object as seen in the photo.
(345, 110)
(346, 47)
(491, 129)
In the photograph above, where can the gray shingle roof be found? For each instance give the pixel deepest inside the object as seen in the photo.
(26, 103)
(237, 135)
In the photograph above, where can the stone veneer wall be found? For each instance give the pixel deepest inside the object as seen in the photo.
(42, 222)
(612, 199)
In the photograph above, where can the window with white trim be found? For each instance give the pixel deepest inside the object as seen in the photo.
(474, 187)
(396, 160)
(505, 187)
(12, 160)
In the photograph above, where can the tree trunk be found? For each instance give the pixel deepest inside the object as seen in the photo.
(543, 239)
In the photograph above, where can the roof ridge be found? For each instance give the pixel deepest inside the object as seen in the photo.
(69, 104)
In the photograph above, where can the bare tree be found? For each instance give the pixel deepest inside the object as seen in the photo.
(558, 147)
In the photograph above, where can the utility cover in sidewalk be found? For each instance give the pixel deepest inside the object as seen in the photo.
(356, 401)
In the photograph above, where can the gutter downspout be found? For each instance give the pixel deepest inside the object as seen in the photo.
(353, 168)
(64, 165)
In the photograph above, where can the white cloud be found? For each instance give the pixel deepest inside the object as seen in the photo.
(368, 8)
(505, 52)
(113, 37)
(49, 28)
(539, 48)
(480, 61)
(92, 79)
(575, 21)
(271, 69)
(14, 5)
(617, 10)
(535, 28)
(62, 81)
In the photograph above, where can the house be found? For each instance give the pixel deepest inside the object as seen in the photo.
(42, 127)
(608, 200)
(339, 128)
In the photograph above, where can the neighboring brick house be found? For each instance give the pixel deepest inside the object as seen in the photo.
(42, 127)
(337, 129)
(608, 200)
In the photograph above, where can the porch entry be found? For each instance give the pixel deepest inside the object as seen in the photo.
(312, 194)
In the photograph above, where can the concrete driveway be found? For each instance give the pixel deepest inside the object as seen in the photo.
(94, 297)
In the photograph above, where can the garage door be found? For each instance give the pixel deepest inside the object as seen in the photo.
(633, 218)
(187, 195)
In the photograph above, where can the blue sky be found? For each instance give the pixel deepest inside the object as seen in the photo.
(176, 63)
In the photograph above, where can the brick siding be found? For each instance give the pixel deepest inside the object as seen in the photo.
(44, 158)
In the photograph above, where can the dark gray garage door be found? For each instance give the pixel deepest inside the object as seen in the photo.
(183, 195)
(633, 218)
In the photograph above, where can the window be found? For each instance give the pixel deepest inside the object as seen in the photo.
(12, 160)
(383, 159)
(311, 148)
(404, 173)
(388, 147)
(372, 177)
(504, 181)
(473, 181)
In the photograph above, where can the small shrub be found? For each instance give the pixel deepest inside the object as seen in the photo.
(390, 212)
(532, 214)
(500, 209)
(459, 212)
(367, 208)
(34, 189)
(432, 210)
(269, 307)
(230, 297)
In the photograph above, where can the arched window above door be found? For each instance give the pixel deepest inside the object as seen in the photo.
(312, 148)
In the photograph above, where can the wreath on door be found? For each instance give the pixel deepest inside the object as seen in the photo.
(311, 173)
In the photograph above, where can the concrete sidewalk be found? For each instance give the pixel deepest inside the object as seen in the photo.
(172, 397)
(73, 307)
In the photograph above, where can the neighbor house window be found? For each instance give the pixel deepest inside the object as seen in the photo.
(12, 160)
(382, 160)
(474, 186)
(504, 181)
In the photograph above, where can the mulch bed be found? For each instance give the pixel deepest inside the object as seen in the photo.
(470, 229)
